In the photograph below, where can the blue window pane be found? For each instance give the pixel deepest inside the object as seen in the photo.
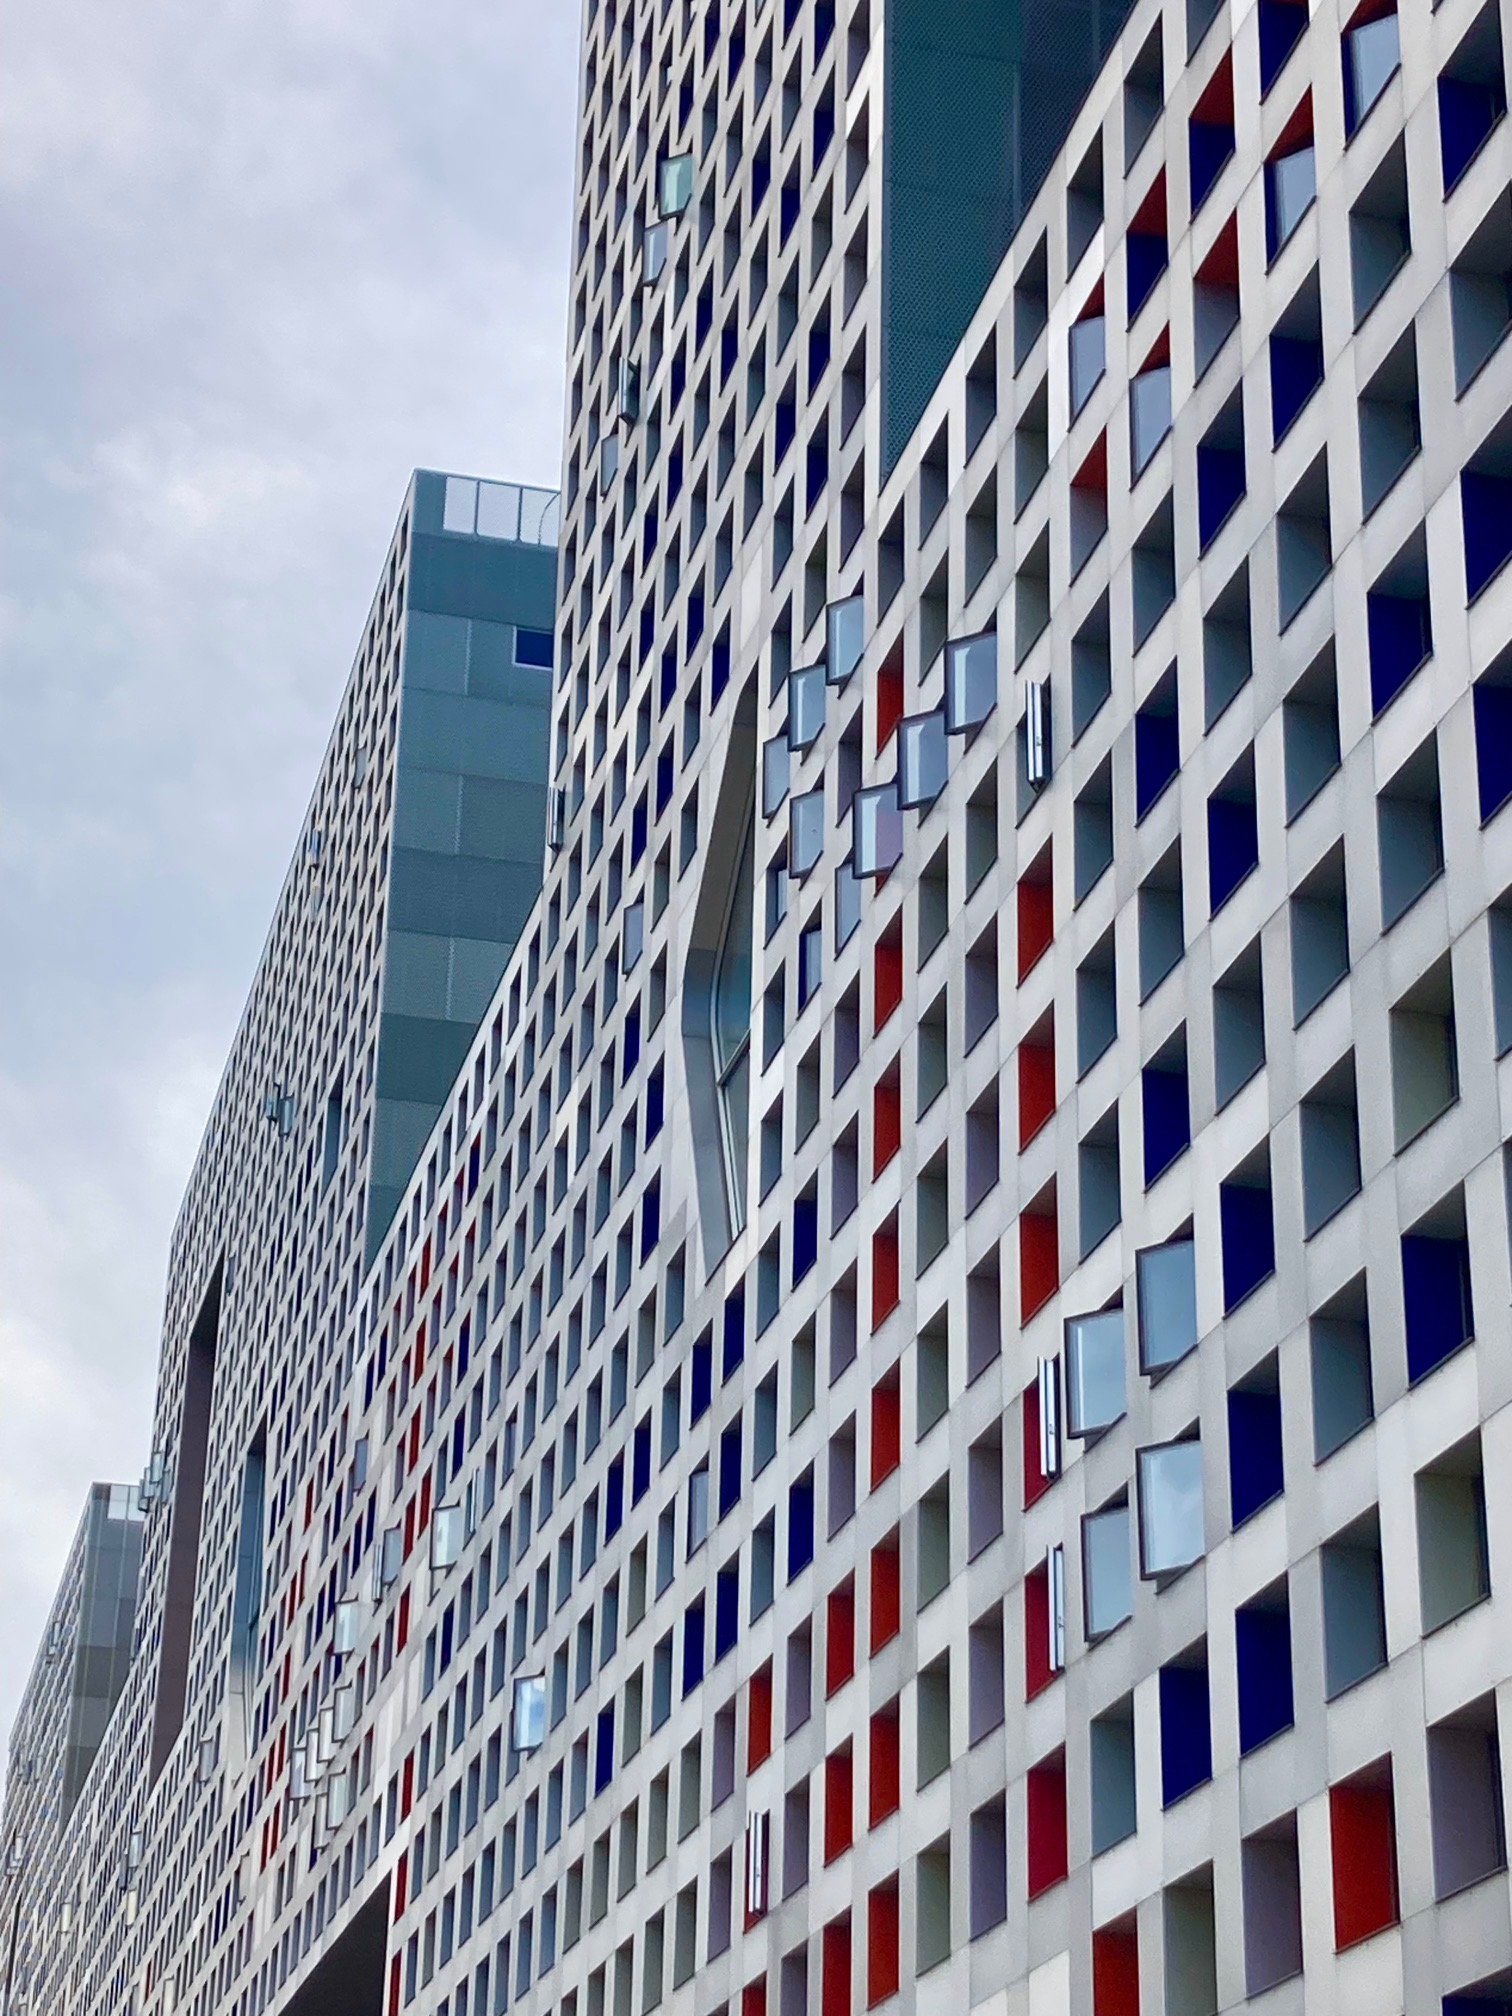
(1186, 1731)
(776, 765)
(1170, 1508)
(877, 829)
(847, 903)
(1094, 1371)
(1167, 1285)
(1291, 183)
(1109, 1587)
(1089, 356)
(971, 681)
(1372, 57)
(845, 639)
(923, 758)
(805, 706)
(805, 831)
(1149, 413)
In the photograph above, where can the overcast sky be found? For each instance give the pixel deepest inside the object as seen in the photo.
(261, 258)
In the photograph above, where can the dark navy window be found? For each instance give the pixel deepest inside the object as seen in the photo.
(534, 647)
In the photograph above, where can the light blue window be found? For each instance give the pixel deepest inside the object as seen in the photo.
(674, 185)
(971, 681)
(1291, 183)
(877, 829)
(1149, 414)
(845, 638)
(731, 1029)
(1107, 1579)
(1167, 1284)
(805, 706)
(1089, 358)
(1170, 1508)
(805, 831)
(1095, 1396)
(923, 758)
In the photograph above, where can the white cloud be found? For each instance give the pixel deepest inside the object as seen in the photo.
(261, 260)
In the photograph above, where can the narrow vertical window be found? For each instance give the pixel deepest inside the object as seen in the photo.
(730, 1011)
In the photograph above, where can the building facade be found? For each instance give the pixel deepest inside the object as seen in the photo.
(912, 1429)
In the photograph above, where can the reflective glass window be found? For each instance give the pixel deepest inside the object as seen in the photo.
(1095, 1396)
(923, 758)
(1089, 357)
(877, 829)
(1149, 413)
(775, 770)
(653, 252)
(847, 902)
(1291, 182)
(805, 706)
(1107, 1578)
(805, 831)
(971, 681)
(1170, 1508)
(675, 185)
(730, 1020)
(1167, 1282)
(529, 1719)
(1372, 57)
(845, 638)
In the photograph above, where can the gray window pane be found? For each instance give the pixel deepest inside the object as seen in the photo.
(1170, 1508)
(1167, 1303)
(847, 903)
(1095, 1371)
(1106, 1576)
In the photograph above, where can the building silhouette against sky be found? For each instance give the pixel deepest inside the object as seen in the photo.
(842, 1334)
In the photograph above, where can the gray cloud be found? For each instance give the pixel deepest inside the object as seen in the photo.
(261, 261)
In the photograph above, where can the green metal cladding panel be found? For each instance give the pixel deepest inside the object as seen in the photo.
(979, 97)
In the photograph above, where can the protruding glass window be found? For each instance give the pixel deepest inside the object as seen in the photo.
(1167, 1283)
(654, 243)
(609, 459)
(1107, 1579)
(731, 1029)
(633, 936)
(805, 706)
(1095, 1396)
(806, 831)
(1149, 413)
(845, 638)
(776, 768)
(1088, 358)
(923, 758)
(1372, 57)
(1170, 1508)
(971, 681)
(528, 1720)
(674, 185)
(627, 393)
(877, 829)
(1291, 183)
